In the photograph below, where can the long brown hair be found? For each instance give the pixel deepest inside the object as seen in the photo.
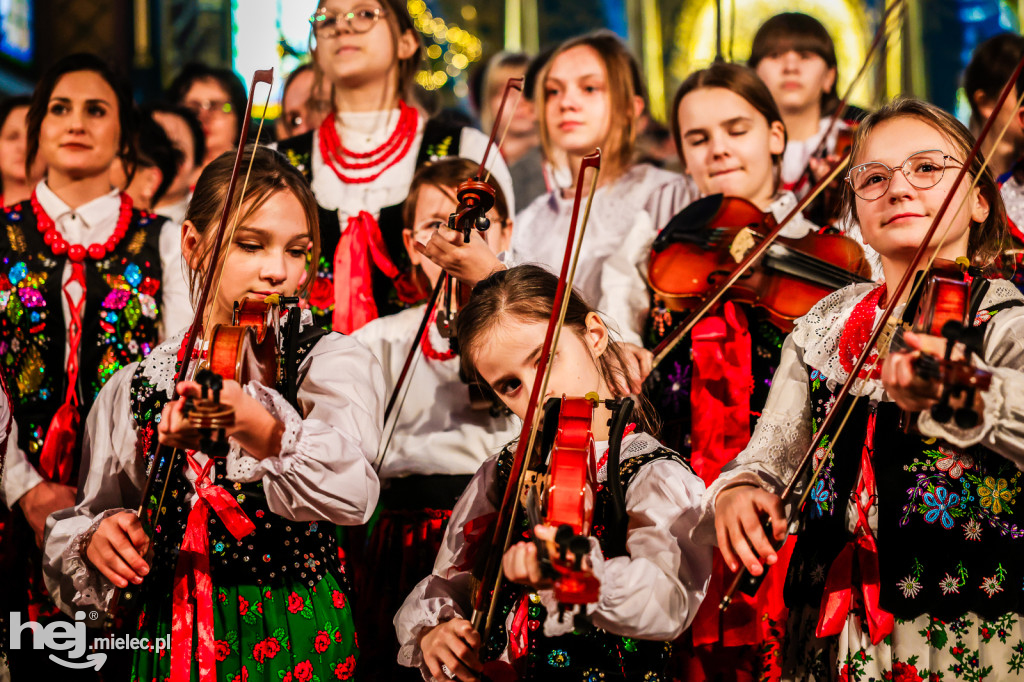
(526, 293)
(271, 173)
(446, 175)
(987, 240)
(624, 83)
(396, 14)
(744, 82)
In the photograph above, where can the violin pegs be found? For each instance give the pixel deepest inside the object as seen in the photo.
(966, 418)
(941, 411)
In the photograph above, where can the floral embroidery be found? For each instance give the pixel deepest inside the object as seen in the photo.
(993, 493)
(972, 530)
(938, 504)
(954, 463)
(950, 585)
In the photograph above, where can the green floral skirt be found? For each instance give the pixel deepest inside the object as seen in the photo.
(288, 633)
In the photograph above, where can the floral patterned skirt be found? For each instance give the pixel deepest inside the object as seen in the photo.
(288, 633)
(925, 648)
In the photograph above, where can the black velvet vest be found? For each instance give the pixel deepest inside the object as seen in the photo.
(440, 140)
(948, 538)
(119, 318)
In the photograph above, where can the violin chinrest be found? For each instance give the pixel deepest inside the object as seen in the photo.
(688, 224)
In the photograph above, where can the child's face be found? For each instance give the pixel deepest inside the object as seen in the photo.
(510, 350)
(728, 144)
(267, 254)
(14, 147)
(796, 79)
(895, 223)
(433, 206)
(354, 59)
(577, 102)
(80, 134)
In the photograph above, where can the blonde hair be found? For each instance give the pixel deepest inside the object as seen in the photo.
(624, 83)
(271, 173)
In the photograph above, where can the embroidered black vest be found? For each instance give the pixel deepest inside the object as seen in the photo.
(597, 654)
(440, 140)
(119, 319)
(948, 541)
(279, 550)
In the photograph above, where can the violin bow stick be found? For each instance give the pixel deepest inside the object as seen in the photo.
(162, 465)
(662, 350)
(881, 33)
(893, 300)
(516, 84)
(485, 601)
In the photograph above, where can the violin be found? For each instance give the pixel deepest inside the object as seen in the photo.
(947, 299)
(703, 244)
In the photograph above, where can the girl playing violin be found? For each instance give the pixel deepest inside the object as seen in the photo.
(440, 437)
(273, 578)
(360, 161)
(918, 528)
(89, 284)
(730, 137)
(500, 333)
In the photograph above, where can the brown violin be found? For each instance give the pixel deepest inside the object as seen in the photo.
(705, 242)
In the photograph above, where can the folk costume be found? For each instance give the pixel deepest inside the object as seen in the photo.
(360, 166)
(83, 293)
(1011, 189)
(439, 442)
(649, 591)
(271, 597)
(907, 564)
(709, 392)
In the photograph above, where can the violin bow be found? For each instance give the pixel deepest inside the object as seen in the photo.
(881, 34)
(485, 600)
(893, 300)
(481, 182)
(675, 337)
(162, 465)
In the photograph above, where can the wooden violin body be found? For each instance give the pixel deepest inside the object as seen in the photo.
(704, 243)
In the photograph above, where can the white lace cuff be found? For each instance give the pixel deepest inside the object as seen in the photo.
(434, 612)
(91, 587)
(245, 468)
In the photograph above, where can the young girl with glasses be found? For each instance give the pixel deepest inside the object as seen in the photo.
(269, 600)
(360, 161)
(932, 515)
(652, 578)
(89, 284)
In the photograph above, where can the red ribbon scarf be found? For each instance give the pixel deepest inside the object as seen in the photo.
(57, 457)
(838, 595)
(193, 589)
(360, 242)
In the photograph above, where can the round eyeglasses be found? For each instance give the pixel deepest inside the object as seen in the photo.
(925, 169)
(360, 20)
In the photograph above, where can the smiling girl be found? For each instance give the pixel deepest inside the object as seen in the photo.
(931, 514)
(88, 285)
(360, 161)
(501, 331)
(278, 602)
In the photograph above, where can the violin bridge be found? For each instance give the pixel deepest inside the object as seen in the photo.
(742, 244)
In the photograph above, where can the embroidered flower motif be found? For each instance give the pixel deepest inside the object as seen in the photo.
(954, 463)
(321, 296)
(243, 605)
(295, 603)
(818, 574)
(993, 493)
(338, 598)
(304, 671)
(904, 672)
(321, 642)
(972, 530)
(950, 585)
(938, 504)
(909, 586)
(558, 658)
(991, 585)
(221, 649)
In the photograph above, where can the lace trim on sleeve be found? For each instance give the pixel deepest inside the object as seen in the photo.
(91, 587)
(245, 468)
